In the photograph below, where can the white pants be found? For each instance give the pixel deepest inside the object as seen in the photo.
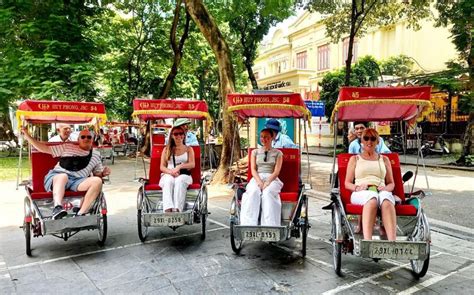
(362, 197)
(174, 190)
(269, 199)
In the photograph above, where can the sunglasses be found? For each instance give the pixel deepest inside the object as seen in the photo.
(178, 133)
(86, 136)
(371, 138)
(360, 128)
(266, 154)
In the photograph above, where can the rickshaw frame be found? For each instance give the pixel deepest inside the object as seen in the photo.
(149, 197)
(413, 230)
(36, 222)
(271, 105)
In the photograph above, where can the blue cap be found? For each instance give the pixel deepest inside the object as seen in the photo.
(273, 124)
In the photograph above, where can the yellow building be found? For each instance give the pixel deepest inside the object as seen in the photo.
(297, 57)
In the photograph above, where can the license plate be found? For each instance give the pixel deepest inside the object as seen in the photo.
(167, 220)
(266, 235)
(394, 251)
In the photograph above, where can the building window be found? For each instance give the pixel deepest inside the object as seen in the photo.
(301, 60)
(323, 57)
(345, 50)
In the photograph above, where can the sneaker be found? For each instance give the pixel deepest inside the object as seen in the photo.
(75, 210)
(58, 212)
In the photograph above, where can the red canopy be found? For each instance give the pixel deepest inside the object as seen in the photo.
(271, 105)
(382, 103)
(73, 112)
(148, 109)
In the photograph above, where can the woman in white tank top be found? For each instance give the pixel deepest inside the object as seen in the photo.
(175, 159)
(373, 186)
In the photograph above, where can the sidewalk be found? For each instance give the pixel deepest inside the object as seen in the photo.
(430, 161)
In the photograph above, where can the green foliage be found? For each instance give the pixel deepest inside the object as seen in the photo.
(400, 66)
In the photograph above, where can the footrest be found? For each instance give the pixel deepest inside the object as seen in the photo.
(398, 250)
(70, 224)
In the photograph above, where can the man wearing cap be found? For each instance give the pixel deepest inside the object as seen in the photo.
(64, 133)
(191, 139)
(73, 171)
(355, 146)
(280, 140)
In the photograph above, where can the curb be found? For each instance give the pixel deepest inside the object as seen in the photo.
(440, 166)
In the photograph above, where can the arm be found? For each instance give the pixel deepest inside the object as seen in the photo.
(253, 169)
(350, 175)
(40, 146)
(389, 183)
(164, 165)
(105, 172)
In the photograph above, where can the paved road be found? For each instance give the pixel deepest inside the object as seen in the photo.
(180, 263)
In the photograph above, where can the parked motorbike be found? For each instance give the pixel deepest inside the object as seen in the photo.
(437, 147)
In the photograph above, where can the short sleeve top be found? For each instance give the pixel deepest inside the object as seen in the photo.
(266, 160)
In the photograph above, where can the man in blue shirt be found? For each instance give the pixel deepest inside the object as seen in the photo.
(191, 139)
(280, 140)
(355, 147)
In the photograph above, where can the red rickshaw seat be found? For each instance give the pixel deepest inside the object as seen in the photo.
(401, 209)
(289, 173)
(155, 172)
(41, 163)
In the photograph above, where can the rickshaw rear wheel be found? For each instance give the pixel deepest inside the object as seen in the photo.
(27, 230)
(304, 228)
(203, 212)
(420, 267)
(336, 247)
(142, 229)
(236, 245)
(102, 223)
(203, 225)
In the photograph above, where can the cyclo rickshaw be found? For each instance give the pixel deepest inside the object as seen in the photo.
(38, 203)
(413, 230)
(150, 211)
(294, 202)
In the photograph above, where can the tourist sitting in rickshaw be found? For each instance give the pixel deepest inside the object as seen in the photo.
(177, 160)
(280, 140)
(65, 134)
(355, 145)
(73, 171)
(373, 185)
(265, 186)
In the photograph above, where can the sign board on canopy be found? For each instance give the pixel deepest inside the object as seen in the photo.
(315, 107)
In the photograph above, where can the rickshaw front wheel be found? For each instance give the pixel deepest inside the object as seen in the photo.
(27, 230)
(203, 225)
(236, 245)
(336, 247)
(102, 223)
(304, 226)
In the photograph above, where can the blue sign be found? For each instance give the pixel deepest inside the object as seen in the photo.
(315, 107)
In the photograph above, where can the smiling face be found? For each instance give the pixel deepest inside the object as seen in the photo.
(177, 135)
(266, 138)
(85, 140)
(64, 131)
(369, 139)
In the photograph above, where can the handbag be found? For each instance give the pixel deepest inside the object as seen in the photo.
(181, 171)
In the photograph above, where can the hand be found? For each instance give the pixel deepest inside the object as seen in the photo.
(260, 184)
(361, 187)
(24, 130)
(381, 188)
(106, 171)
(265, 185)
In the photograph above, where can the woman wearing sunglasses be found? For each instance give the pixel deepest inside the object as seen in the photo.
(373, 185)
(177, 160)
(264, 187)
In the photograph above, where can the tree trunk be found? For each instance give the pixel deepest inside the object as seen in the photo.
(177, 49)
(354, 15)
(219, 46)
(248, 66)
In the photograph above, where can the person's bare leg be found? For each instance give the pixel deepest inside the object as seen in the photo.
(59, 187)
(369, 212)
(389, 219)
(93, 186)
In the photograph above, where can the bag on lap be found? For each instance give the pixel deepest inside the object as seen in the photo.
(75, 163)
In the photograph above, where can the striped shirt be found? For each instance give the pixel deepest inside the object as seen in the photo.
(71, 150)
